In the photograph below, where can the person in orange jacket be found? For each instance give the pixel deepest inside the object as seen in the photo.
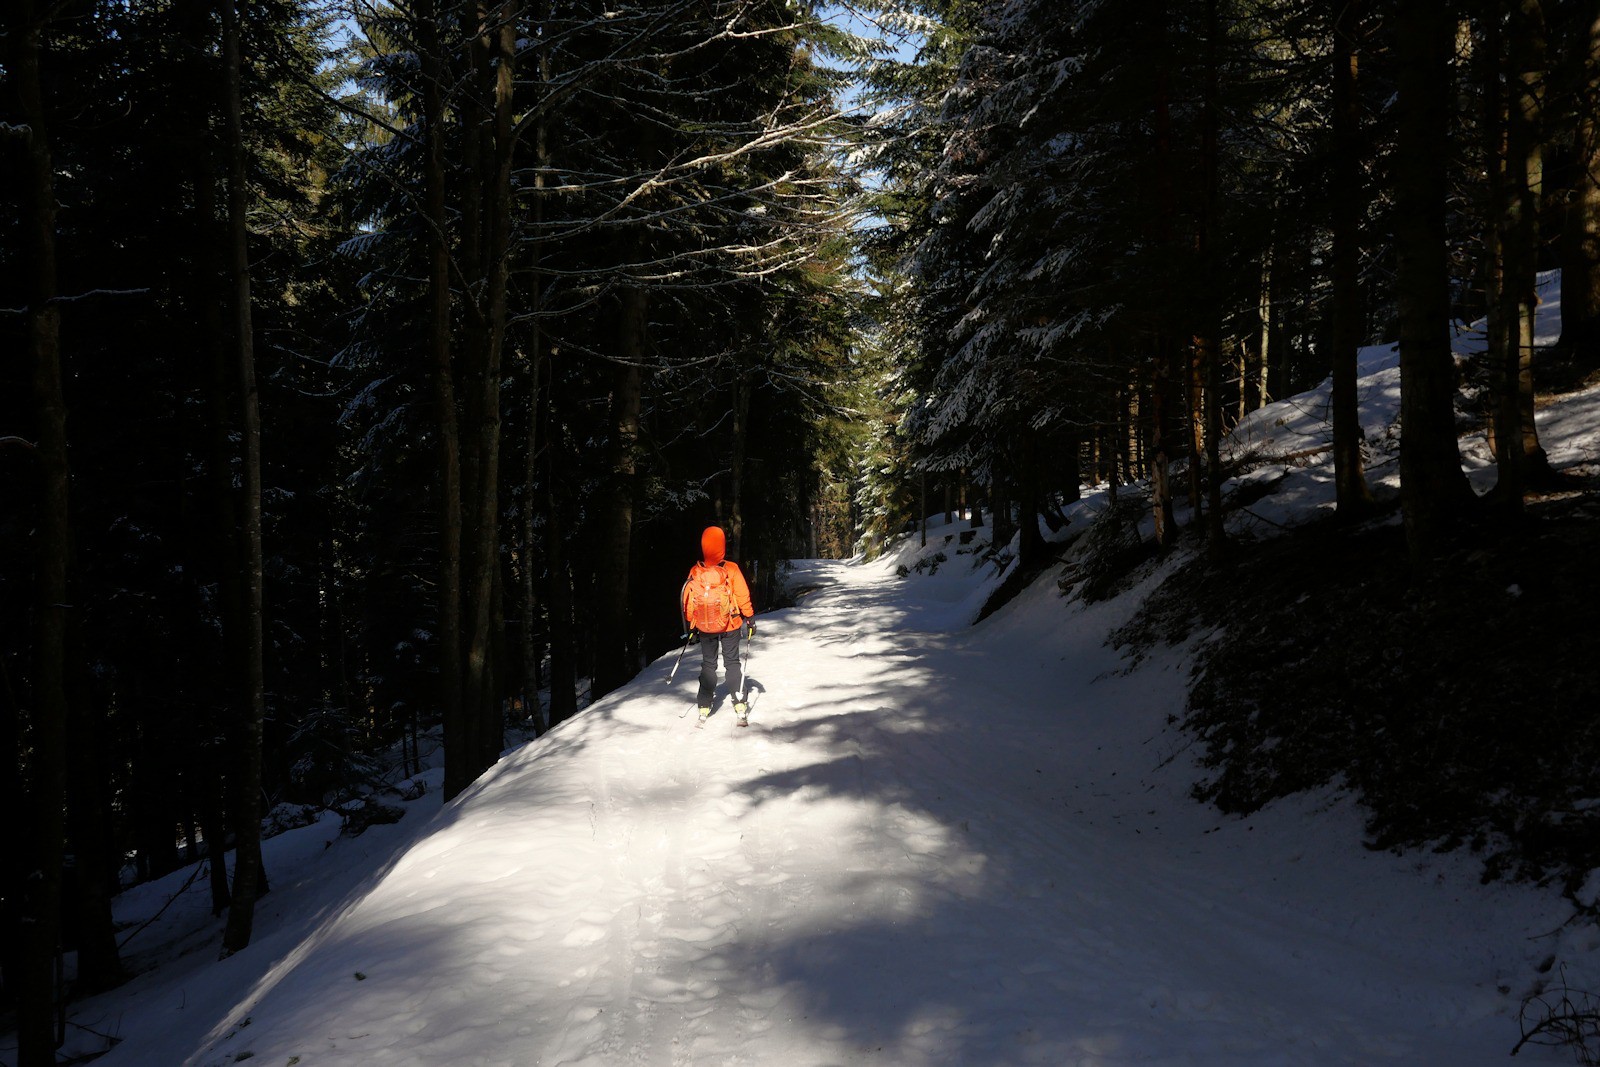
(716, 605)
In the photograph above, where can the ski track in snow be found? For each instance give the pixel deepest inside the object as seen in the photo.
(933, 845)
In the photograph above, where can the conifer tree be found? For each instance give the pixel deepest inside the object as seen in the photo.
(1433, 488)
(42, 855)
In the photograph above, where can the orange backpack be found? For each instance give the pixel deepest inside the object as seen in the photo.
(710, 599)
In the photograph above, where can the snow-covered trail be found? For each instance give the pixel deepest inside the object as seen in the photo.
(933, 845)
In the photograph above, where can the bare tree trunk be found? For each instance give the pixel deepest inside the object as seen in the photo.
(213, 823)
(1353, 496)
(458, 757)
(1194, 404)
(1169, 375)
(224, 515)
(531, 658)
(529, 586)
(496, 45)
(1254, 393)
(1208, 344)
(1030, 543)
(1072, 467)
(1160, 451)
(741, 432)
(1528, 85)
(1277, 367)
(89, 808)
(1580, 259)
(1122, 455)
(1001, 528)
(1115, 447)
(15, 834)
(558, 585)
(922, 506)
(1517, 450)
(37, 990)
(1434, 489)
(613, 622)
(247, 871)
(474, 197)
(1216, 521)
(1498, 344)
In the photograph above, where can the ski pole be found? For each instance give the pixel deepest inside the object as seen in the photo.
(744, 662)
(686, 639)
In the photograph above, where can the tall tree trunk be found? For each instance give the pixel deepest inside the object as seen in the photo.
(496, 43)
(922, 507)
(1072, 466)
(1122, 445)
(1580, 244)
(89, 809)
(1352, 495)
(1160, 450)
(1526, 84)
(210, 761)
(1194, 406)
(1030, 545)
(211, 295)
(1433, 488)
(558, 584)
(1277, 362)
(247, 872)
(741, 433)
(533, 362)
(1216, 521)
(1208, 342)
(1517, 450)
(531, 650)
(612, 616)
(1111, 448)
(475, 198)
(1169, 375)
(15, 834)
(1255, 389)
(1000, 526)
(459, 770)
(214, 823)
(1498, 346)
(37, 1038)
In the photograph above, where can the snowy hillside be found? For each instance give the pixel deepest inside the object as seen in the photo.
(1290, 442)
(935, 844)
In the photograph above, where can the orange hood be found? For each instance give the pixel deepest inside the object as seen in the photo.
(713, 546)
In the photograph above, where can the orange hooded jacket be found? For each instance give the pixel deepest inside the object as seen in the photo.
(713, 550)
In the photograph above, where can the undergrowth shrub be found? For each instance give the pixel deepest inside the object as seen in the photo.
(1460, 708)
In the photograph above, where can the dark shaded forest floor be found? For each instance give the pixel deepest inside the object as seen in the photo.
(1461, 708)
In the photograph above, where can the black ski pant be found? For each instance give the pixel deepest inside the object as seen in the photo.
(728, 643)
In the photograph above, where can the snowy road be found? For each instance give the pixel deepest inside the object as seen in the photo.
(933, 845)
